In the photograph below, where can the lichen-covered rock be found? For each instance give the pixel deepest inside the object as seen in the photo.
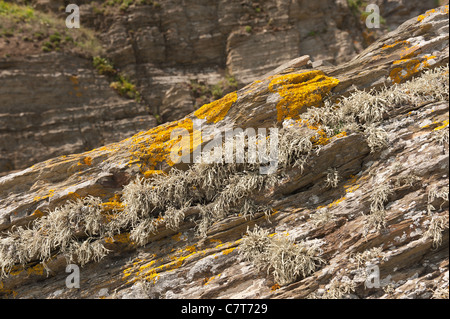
(361, 184)
(161, 46)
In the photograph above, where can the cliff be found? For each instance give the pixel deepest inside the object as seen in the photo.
(177, 55)
(360, 182)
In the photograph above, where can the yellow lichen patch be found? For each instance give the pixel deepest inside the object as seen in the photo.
(37, 270)
(155, 146)
(395, 44)
(334, 203)
(321, 138)
(444, 125)
(275, 287)
(217, 110)
(408, 52)
(218, 241)
(123, 238)
(228, 251)
(87, 160)
(37, 213)
(207, 280)
(299, 91)
(409, 68)
(6, 292)
(149, 273)
(152, 172)
(51, 193)
(351, 185)
(176, 237)
(190, 249)
(443, 9)
(113, 204)
(340, 135)
(352, 189)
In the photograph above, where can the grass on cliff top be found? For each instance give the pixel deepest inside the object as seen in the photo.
(25, 30)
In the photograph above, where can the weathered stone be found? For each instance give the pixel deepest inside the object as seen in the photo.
(175, 263)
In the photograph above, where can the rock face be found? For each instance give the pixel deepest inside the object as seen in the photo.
(161, 47)
(360, 187)
(56, 104)
(178, 40)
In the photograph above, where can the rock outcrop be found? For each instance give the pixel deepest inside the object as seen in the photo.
(360, 181)
(161, 47)
(57, 104)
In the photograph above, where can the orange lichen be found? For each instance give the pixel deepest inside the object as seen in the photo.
(217, 110)
(351, 185)
(408, 52)
(152, 274)
(37, 270)
(228, 251)
(37, 213)
(51, 193)
(207, 280)
(218, 241)
(155, 146)
(73, 196)
(275, 287)
(409, 68)
(152, 172)
(123, 238)
(443, 10)
(396, 43)
(321, 137)
(87, 160)
(444, 125)
(74, 79)
(113, 204)
(299, 91)
(176, 237)
(334, 203)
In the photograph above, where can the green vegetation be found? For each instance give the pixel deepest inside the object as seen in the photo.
(119, 82)
(16, 12)
(103, 66)
(45, 30)
(125, 4)
(206, 93)
(357, 7)
(248, 29)
(56, 42)
(125, 88)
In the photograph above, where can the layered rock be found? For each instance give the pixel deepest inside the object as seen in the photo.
(56, 104)
(390, 193)
(161, 47)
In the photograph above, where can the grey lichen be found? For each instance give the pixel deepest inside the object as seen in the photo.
(285, 259)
